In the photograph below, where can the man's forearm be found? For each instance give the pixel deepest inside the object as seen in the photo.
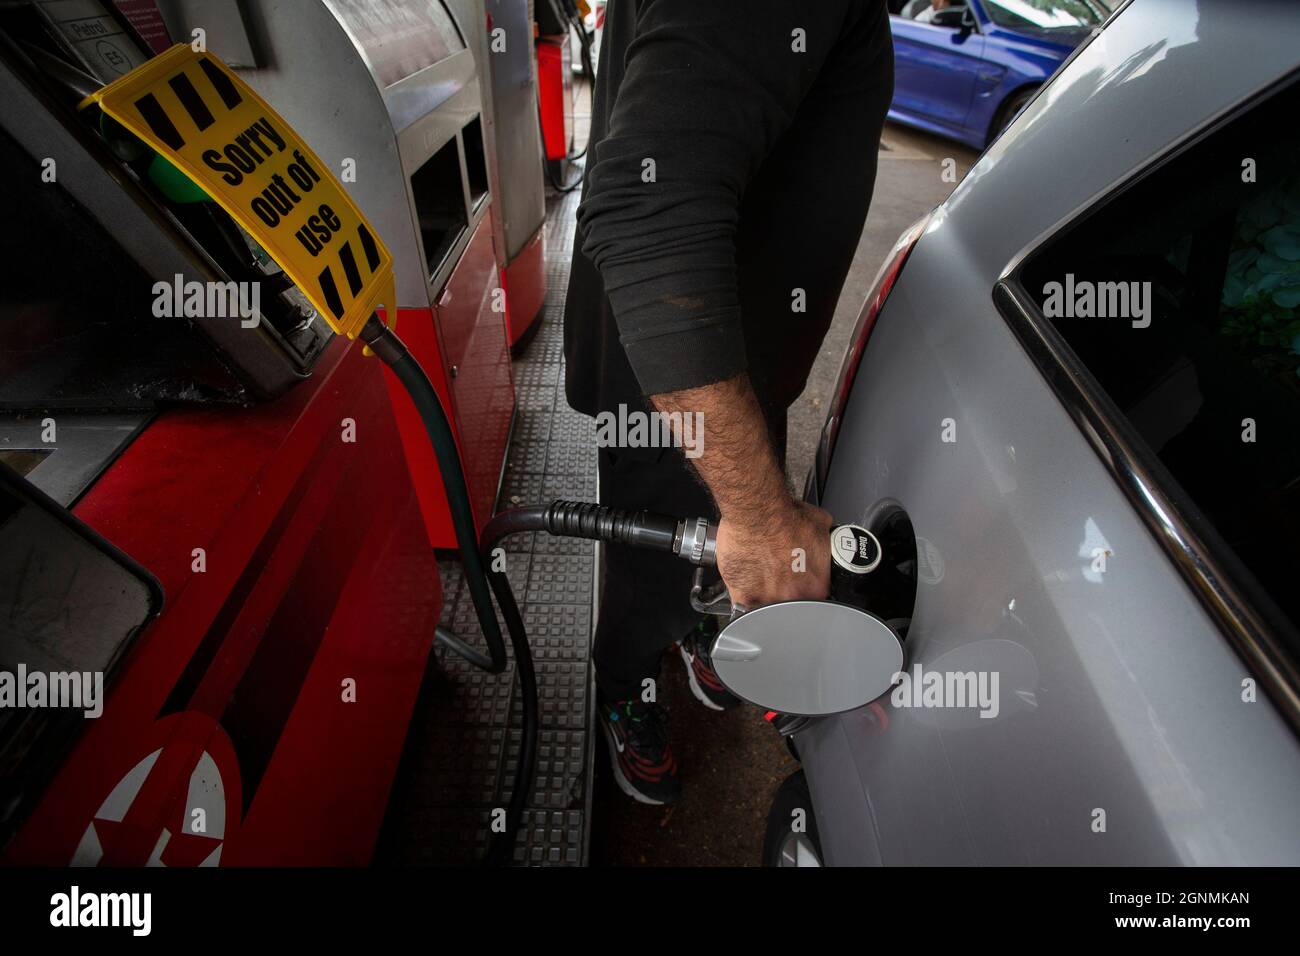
(769, 547)
(738, 463)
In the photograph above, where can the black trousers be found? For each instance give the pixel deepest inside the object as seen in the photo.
(645, 596)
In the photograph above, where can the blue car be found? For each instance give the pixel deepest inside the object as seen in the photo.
(965, 69)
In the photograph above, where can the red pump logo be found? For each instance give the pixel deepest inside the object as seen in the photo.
(148, 820)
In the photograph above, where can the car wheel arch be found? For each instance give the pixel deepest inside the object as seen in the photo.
(1019, 97)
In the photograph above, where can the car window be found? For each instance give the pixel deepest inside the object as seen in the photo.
(1181, 296)
(1047, 15)
(922, 10)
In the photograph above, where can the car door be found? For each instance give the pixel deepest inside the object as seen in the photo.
(935, 70)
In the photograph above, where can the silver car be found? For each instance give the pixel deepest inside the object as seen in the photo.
(1071, 411)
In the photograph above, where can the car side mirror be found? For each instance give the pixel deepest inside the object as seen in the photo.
(954, 18)
(811, 658)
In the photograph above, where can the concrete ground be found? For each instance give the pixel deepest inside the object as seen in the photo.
(732, 763)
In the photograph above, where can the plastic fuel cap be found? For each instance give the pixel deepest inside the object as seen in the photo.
(855, 549)
(807, 657)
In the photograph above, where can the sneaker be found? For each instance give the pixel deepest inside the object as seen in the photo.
(706, 685)
(639, 751)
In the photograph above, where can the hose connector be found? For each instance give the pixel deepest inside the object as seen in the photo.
(696, 540)
(381, 340)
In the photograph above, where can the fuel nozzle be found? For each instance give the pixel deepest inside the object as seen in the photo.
(762, 654)
(855, 553)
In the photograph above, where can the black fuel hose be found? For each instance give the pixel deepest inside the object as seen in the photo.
(501, 844)
(576, 519)
(393, 352)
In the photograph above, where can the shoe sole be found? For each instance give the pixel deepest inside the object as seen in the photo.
(696, 689)
(623, 783)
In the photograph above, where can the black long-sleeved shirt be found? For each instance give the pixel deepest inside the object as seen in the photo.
(732, 160)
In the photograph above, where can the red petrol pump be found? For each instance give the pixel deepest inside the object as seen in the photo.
(555, 20)
(263, 475)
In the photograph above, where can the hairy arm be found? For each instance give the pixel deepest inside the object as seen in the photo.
(763, 528)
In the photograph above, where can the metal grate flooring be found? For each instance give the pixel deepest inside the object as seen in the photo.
(460, 754)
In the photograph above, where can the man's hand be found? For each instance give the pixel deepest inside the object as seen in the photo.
(762, 524)
(758, 556)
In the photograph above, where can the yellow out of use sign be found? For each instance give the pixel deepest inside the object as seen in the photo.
(212, 126)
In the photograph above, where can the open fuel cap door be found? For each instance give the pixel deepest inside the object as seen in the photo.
(808, 657)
